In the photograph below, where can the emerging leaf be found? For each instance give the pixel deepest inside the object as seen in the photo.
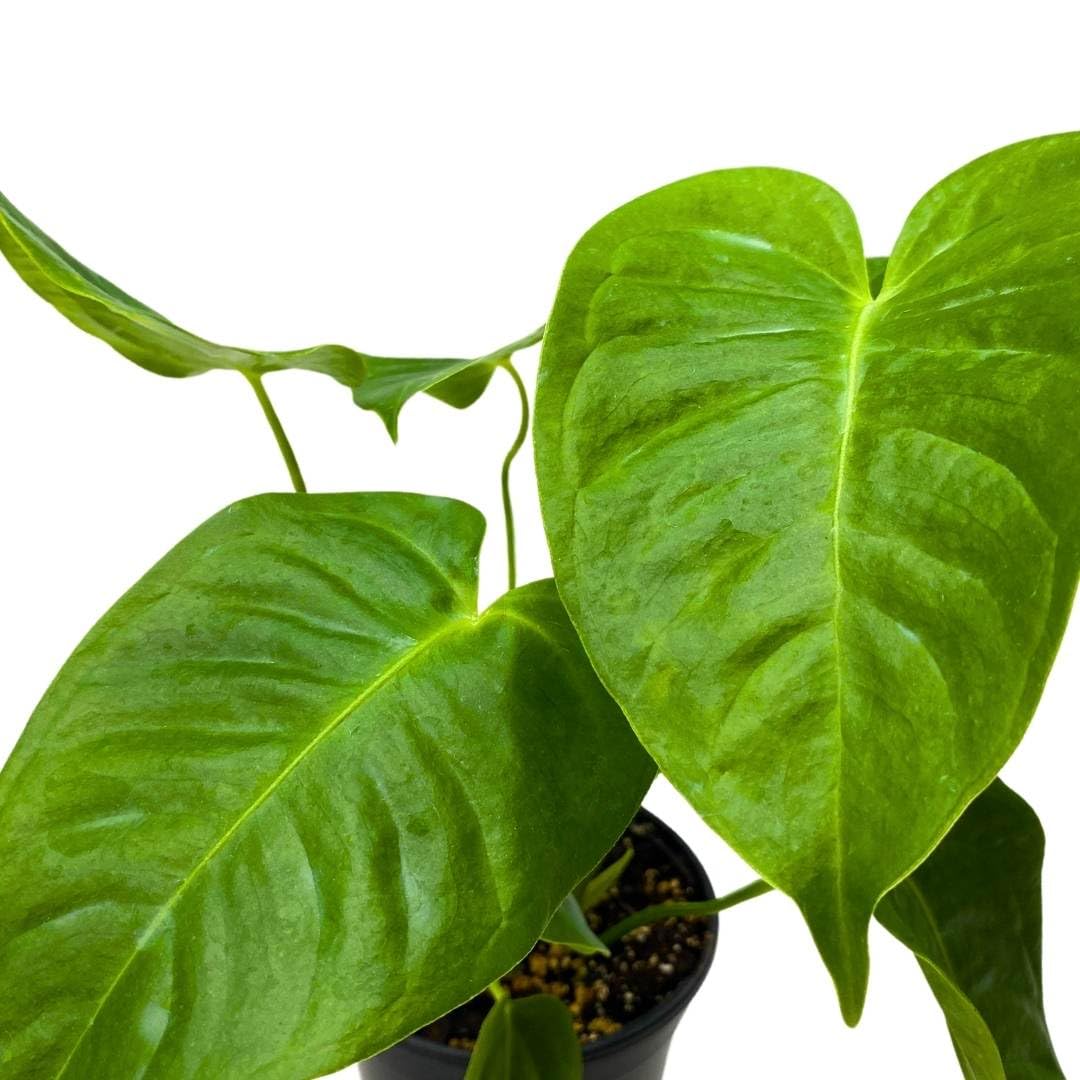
(821, 544)
(595, 889)
(569, 926)
(529, 1038)
(293, 798)
(972, 914)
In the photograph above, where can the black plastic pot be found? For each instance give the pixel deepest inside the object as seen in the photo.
(637, 1052)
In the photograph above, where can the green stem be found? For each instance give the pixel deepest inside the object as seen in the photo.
(659, 912)
(519, 441)
(500, 356)
(498, 991)
(274, 421)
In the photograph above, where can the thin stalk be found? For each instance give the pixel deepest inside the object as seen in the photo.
(519, 441)
(500, 356)
(498, 991)
(282, 439)
(659, 912)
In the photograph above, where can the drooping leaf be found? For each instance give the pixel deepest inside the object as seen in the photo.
(134, 330)
(821, 545)
(595, 889)
(292, 798)
(529, 1038)
(570, 926)
(972, 914)
(391, 381)
(153, 342)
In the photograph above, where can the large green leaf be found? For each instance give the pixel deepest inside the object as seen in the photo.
(293, 798)
(821, 545)
(972, 914)
(528, 1038)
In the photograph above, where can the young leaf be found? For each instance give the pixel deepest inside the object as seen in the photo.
(529, 1038)
(391, 381)
(972, 914)
(592, 891)
(293, 798)
(821, 545)
(569, 926)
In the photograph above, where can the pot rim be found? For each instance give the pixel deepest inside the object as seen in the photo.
(658, 1016)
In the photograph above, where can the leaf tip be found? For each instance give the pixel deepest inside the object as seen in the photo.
(842, 939)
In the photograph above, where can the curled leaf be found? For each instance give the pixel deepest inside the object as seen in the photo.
(392, 381)
(592, 891)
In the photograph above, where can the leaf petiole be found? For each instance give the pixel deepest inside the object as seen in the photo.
(658, 912)
(276, 427)
(519, 440)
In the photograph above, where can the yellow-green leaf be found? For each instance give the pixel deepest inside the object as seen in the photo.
(819, 543)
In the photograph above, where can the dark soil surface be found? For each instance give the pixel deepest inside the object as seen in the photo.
(604, 993)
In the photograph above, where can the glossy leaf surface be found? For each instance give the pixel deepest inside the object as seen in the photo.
(972, 914)
(134, 330)
(821, 545)
(153, 342)
(392, 381)
(570, 926)
(529, 1038)
(292, 798)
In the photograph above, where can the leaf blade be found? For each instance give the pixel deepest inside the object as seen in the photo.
(136, 331)
(392, 381)
(529, 1038)
(741, 452)
(569, 926)
(972, 916)
(256, 756)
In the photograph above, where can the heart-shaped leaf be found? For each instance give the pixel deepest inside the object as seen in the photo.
(529, 1038)
(292, 798)
(391, 381)
(972, 914)
(821, 545)
(570, 926)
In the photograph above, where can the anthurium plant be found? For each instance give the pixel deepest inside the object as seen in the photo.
(816, 534)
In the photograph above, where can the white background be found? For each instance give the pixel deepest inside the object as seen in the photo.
(408, 178)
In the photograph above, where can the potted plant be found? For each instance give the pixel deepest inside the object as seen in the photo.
(813, 520)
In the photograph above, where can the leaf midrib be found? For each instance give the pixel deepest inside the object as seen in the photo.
(453, 624)
(860, 327)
